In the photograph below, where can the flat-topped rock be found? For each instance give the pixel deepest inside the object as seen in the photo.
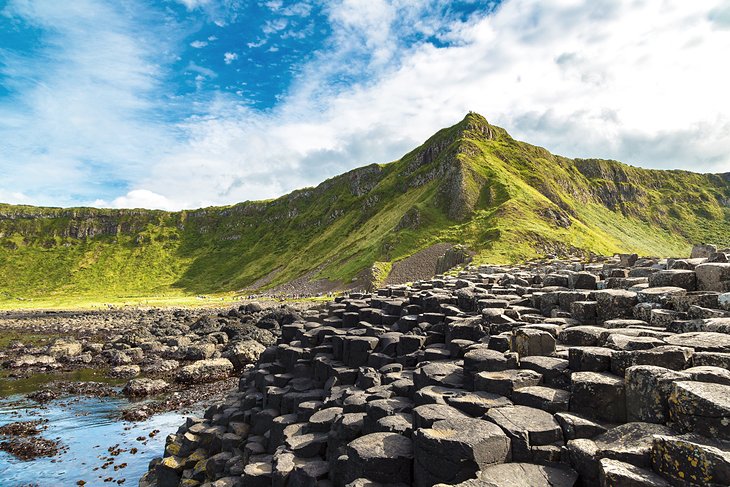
(526, 474)
(527, 428)
(380, 457)
(455, 450)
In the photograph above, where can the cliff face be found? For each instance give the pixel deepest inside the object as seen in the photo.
(470, 184)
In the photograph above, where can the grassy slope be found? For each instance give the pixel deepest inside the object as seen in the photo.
(471, 183)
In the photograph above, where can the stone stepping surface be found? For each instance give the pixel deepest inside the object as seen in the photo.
(614, 372)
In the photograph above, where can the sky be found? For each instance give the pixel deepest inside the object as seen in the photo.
(176, 104)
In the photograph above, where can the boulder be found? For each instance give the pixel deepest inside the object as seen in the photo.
(244, 353)
(629, 443)
(530, 341)
(614, 303)
(684, 279)
(205, 371)
(505, 382)
(144, 387)
(64, 347)
(713, 277)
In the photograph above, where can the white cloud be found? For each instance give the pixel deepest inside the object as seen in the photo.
(258, 43)
(14, 197)
(274, 5)
(275, 25)
(193, 4)
(201, 70)
(198, 44)
(143, 198)
(229, 57)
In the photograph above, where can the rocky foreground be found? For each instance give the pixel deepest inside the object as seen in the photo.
(613, 373)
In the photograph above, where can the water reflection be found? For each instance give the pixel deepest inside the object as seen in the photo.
(88, 427)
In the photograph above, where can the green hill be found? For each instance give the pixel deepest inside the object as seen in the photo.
(471, 184)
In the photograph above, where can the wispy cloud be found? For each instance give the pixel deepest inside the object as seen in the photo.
(193, 4)
(81, 113)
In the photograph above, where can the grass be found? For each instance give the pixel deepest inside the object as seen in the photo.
(506, 200)
(8, 336)
(85, 302)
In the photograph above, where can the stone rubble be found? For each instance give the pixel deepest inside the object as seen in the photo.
(156, 350)
(610, 373)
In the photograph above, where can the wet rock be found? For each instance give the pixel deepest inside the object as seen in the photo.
(125, 371)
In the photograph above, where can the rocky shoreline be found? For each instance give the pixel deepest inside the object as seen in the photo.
(612, 373)
(165, 359)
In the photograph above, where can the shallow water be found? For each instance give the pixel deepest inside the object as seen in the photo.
(87, 427)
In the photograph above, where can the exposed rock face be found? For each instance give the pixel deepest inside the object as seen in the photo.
(532, 375)
(456, 255)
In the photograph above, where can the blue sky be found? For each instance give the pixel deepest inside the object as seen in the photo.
(186, 103)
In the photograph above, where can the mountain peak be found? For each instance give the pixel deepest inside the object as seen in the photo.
(475, 125)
